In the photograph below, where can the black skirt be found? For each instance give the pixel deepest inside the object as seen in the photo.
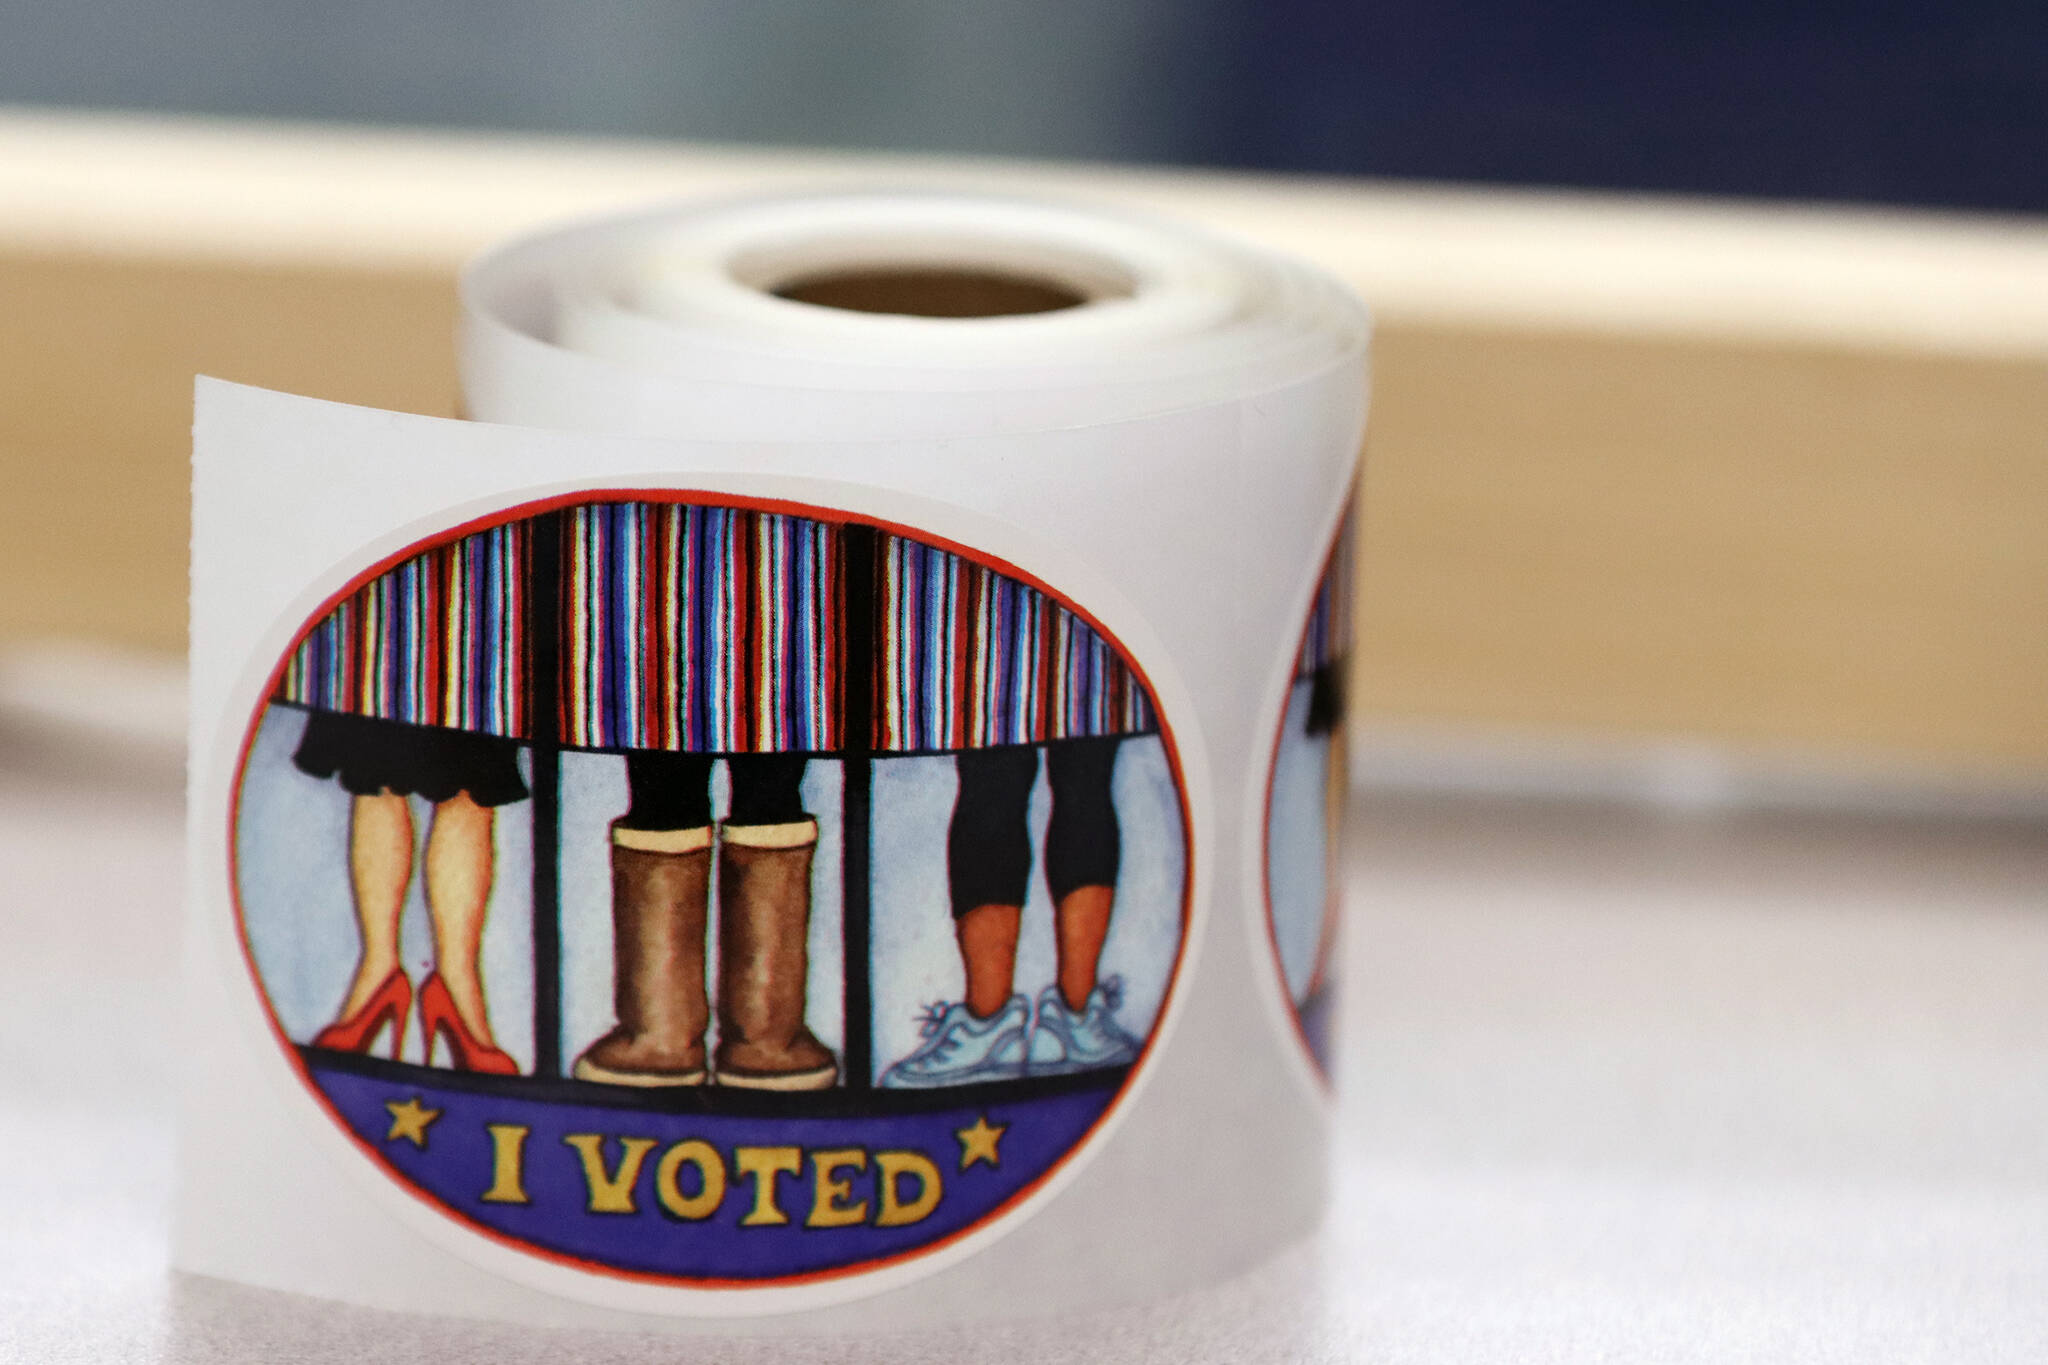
(370, 756)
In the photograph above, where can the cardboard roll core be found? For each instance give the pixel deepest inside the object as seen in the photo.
(931, 292)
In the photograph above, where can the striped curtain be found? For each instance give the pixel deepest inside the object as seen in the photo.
(700, 629)
(1328, 638)
(970, 658)
(716, 630)
(439, 640)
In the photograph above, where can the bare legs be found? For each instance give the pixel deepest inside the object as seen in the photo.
(379, 867)
(458, 895)
(458, 888)
(1080, 924)
(988, 948)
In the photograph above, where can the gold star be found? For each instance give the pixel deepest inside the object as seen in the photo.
(409, 1120)
(979, 1142)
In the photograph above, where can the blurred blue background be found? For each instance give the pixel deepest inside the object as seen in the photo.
(1905, 103)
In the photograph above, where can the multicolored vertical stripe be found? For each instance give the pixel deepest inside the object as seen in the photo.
(970, 658)
(699, 629)
(1328, 638)
(439, 640)
(717, 630)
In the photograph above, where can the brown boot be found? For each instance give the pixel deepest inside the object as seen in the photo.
(660, 887)
(764, 926)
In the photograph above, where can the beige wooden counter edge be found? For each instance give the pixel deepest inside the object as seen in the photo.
(384, 198)
(1767, 477)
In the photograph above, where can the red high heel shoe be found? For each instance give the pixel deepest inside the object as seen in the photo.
(391, 1002)
(437, 1015)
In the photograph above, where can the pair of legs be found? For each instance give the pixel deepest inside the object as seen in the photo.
(662, 850)
(465, 776)
(992, 1034)
(459, 857)
(988, 864)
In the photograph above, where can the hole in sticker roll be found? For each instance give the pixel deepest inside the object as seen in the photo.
(956, 292)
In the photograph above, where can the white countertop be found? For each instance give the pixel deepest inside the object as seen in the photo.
(1617, 1086)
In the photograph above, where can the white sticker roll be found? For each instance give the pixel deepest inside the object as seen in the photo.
(812, 810)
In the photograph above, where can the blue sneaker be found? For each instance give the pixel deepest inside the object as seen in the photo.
(960, 1049)
(1065, 1041)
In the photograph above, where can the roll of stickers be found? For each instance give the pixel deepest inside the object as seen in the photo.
(814, 808)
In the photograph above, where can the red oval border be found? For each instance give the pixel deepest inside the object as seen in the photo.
(1315, 1063)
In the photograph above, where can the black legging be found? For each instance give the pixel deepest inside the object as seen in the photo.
(673, 791)
(988, 848)
(1326, 699)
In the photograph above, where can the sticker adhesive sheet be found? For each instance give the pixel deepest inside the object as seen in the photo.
(813, 807)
